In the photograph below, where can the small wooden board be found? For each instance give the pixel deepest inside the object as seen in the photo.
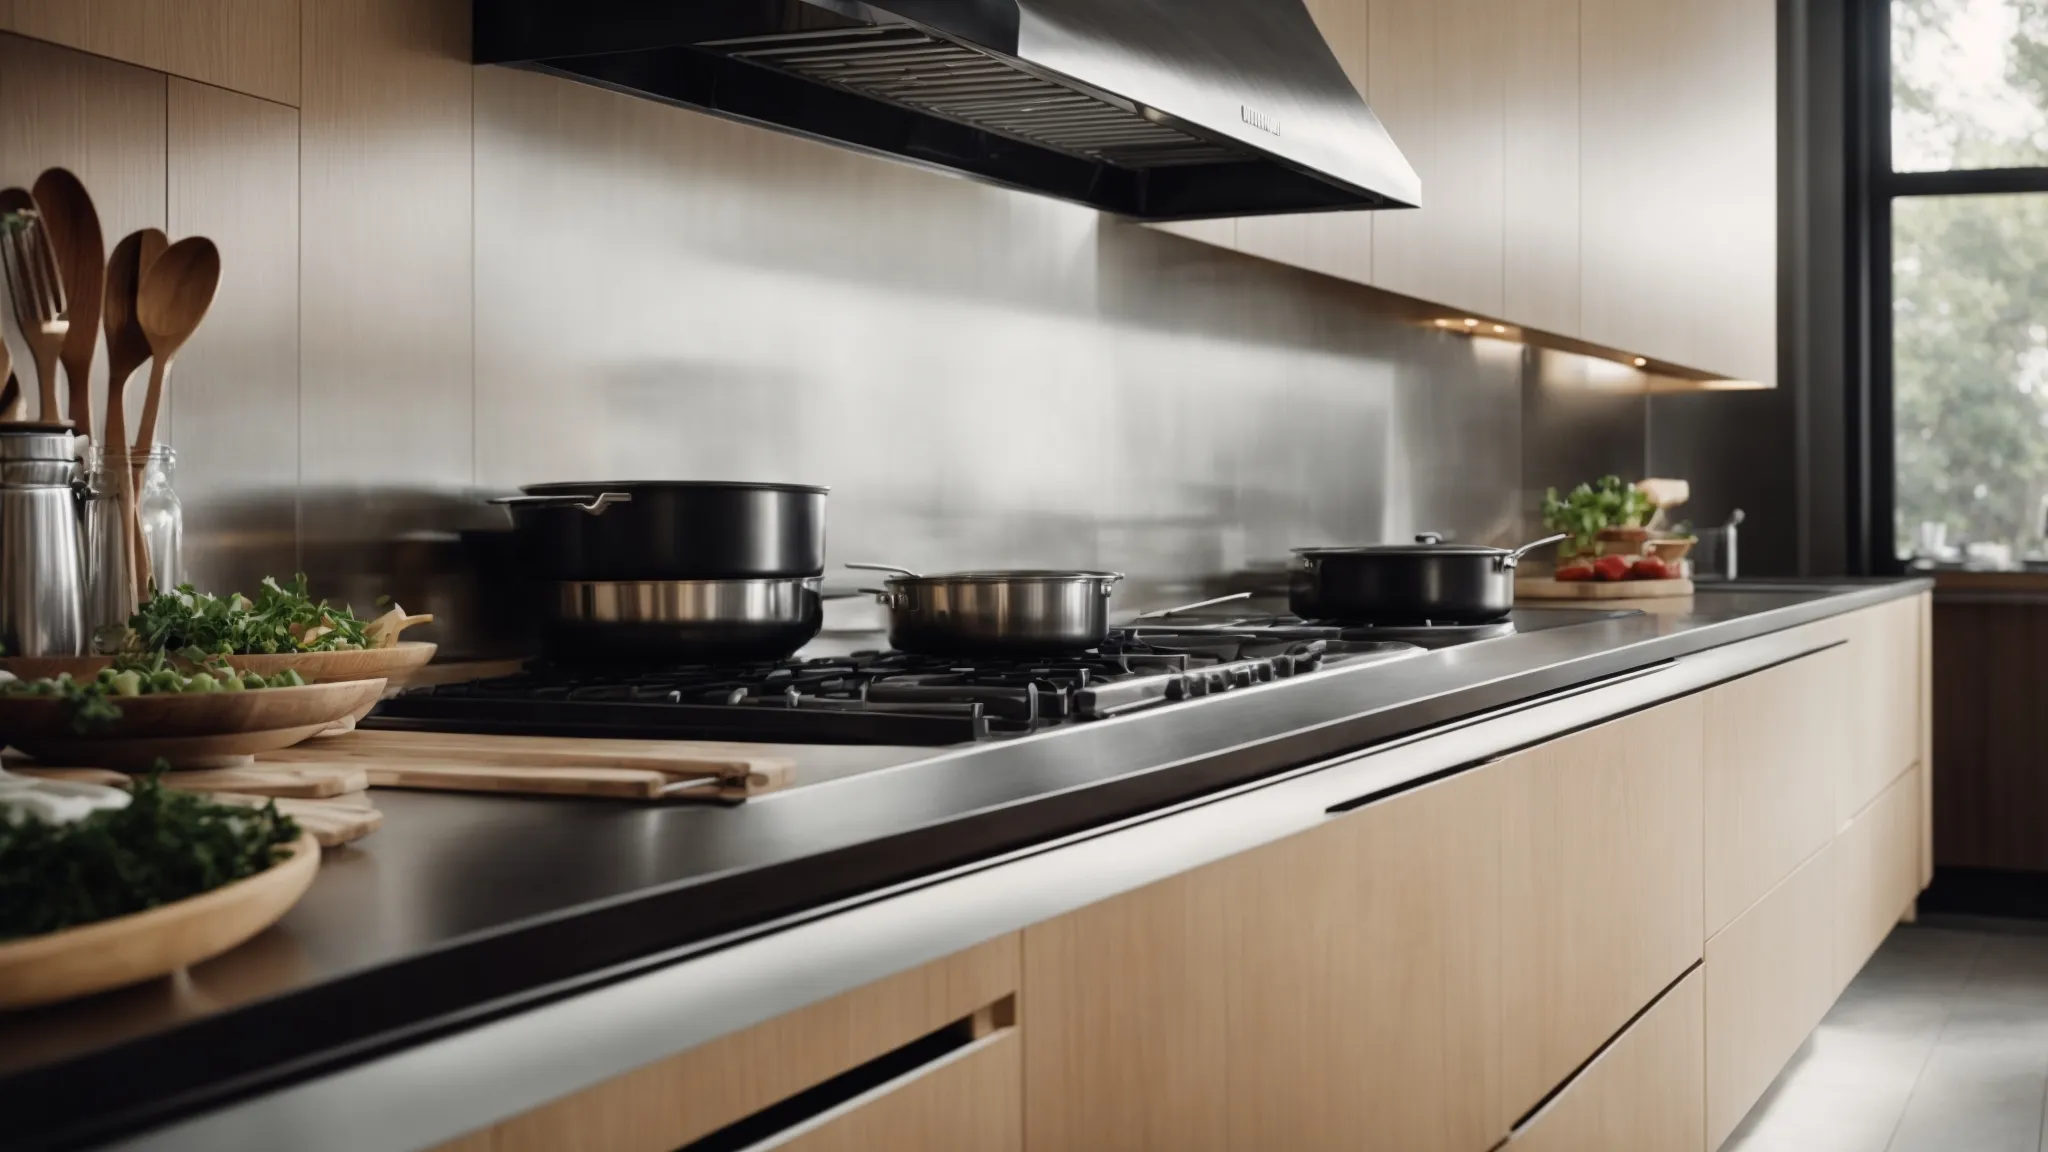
(145, 945)
(548, 766)
(1545, 589)
(310, 782)
(345, 818)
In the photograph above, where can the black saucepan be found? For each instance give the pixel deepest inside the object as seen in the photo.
(669, 530)
(1427, 581)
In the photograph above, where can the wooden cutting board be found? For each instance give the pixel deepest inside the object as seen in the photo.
(333, 822)
(1544, 589)
(309, 782)
(551, 766)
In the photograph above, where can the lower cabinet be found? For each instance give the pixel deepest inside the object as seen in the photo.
(1770, 977)
(931, 1057)
(1877, 873)
(1338, 989)
(1644, 1093)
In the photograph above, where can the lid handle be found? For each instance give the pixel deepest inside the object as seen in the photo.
(1429, 537)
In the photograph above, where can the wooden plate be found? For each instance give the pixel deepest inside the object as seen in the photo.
(144, 945)
(190, 730)
(1540, 589)
(393, 664)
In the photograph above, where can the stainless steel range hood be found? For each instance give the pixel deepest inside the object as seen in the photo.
(1155, 109)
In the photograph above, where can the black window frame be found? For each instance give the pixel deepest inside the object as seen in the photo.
(1873, 478)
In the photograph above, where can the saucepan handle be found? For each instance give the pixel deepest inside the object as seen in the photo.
(1508, 562)
(594, 503)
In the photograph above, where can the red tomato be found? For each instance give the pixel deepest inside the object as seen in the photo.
(1651, 568)
(1611, 567)
(1575, 572)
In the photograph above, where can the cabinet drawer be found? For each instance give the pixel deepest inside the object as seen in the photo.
(1645, 1093)
(1877, 873)
(1600, 887)
(1884, 649)
(1770, 978)
(1774, 744)
(969, 1101)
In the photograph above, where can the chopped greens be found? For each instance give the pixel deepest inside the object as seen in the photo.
(1590, 507)
(163, 847)
(282, 618)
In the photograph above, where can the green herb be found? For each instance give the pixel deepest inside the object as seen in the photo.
(1591, 507)
(90, 703)
(282, 618)
(164, 846)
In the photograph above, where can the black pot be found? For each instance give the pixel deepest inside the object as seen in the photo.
(1428, 581)
(669, 530)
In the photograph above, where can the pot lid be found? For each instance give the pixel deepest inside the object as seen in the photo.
(1014, 576)
(595, 486)
(1426, 544)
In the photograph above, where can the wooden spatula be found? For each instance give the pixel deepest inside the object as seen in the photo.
(177, 290)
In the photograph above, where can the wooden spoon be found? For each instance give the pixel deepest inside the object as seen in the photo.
(81, 251)
(176, 292)
(127, 343)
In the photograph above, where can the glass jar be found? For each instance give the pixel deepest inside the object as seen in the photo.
(160, 516)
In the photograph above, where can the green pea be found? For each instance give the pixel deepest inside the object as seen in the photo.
(164, 680)
(202, 682)
(127, 684)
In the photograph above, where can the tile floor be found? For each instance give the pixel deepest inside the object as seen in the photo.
(1939, 1045)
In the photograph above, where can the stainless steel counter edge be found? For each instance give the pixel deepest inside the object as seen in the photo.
(447, 1087)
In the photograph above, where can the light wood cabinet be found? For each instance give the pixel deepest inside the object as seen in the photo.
(1600, 887)
(966, 1098)
(1877, 873)
(1678, 180)
(248, 46)
(1645, 1093)
(1540, 226)
(1437, 81)
(1769, 979)
(1774, 740)
(1887, 665)
(1355, 969)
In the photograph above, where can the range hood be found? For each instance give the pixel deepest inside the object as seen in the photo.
(1154, 109)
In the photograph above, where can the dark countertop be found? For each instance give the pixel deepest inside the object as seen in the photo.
(466, 907)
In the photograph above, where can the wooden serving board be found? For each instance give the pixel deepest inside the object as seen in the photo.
(549, 766)
(1545, 589)
(145, 945)
(345, 818)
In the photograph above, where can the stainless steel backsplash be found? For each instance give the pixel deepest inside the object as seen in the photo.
(983, 377)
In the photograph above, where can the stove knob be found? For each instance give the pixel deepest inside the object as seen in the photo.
(1242, 676)
(1266, 672)
(1177, 690)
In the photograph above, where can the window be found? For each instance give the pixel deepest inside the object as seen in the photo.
(1963, 204)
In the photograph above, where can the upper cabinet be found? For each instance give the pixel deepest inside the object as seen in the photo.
(247, 46)
(1679, 181)
(1599, 170)
(1436, 81)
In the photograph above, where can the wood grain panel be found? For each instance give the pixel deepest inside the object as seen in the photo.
(968, 1102)
(1770, 978)
(1645, 1093)
(1540, 226)
(1363, 968)
(1884, 650)
(1631, 160)
(233, 404)
(386, 339)
(250, 46)
(1877, 874)
(1926, 701)
(1437, 82)
(1773, 743)
(102, 120)
(1124, 1011)
(1601, 887)
(676, 1100)
(1337, 989)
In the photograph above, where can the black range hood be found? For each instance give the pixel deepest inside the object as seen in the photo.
(1154, 109)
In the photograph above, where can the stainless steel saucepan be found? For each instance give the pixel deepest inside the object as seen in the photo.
(1019, 613)
(1427, 581)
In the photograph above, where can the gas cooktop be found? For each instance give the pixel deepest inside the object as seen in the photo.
(876, 697)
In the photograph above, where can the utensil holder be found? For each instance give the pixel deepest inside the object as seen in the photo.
(42, 567)
(156, 521)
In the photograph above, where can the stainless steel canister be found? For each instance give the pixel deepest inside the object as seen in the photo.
(42, 565)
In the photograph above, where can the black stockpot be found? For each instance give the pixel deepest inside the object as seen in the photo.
(1428, 581)
(669, 530)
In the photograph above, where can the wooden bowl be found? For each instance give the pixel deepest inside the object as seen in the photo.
(1672, 550)
(395, 665)
(190, 730)
(145, 945)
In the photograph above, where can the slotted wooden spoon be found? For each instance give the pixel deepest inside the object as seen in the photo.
(177, 289)
(36, 289)
(81, 251)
